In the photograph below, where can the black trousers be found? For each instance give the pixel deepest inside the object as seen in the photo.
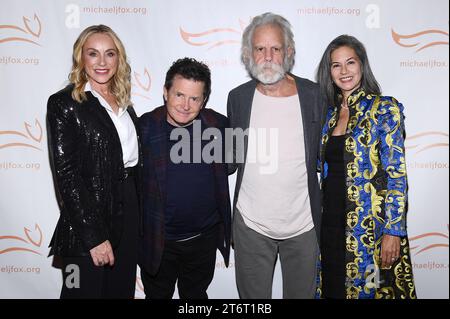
(191, 262)
(119, 281)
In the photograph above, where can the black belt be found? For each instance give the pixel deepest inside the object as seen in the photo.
(127, 172)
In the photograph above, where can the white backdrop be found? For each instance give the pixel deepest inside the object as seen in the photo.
(407, 42)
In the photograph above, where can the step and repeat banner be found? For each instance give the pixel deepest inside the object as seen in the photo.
(407, 42)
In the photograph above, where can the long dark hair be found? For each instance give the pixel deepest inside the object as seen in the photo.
(328, 88)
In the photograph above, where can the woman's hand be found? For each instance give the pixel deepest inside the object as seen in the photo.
(390, 250)
(103, 254)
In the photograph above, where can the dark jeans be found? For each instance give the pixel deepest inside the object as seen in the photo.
(191, 262)
(115, 282)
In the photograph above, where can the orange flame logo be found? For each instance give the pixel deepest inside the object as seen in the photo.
(28, 239)
(143, 85)
(421, 40)
(28, 134)
(228, 35)
(420, 145)
(435, 236)
(36, 32)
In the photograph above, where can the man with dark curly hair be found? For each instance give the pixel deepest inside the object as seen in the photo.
(187, 211)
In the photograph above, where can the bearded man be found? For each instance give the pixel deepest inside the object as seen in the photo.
(276, 213)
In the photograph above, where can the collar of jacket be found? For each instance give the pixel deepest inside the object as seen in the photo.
(354, 97)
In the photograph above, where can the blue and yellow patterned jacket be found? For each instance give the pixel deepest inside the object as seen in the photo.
(376, 180)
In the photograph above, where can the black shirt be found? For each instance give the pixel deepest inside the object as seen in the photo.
(191, 206)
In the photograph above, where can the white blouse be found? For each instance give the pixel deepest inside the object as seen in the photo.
(125, 129)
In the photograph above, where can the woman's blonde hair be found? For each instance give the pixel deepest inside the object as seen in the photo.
(121, 81)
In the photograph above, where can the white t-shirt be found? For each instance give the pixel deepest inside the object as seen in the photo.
(273, 198)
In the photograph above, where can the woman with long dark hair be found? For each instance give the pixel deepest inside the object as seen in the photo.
(364, 243)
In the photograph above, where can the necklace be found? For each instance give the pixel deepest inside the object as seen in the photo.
(344, 107)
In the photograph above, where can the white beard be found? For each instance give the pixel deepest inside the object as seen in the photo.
(267, 73)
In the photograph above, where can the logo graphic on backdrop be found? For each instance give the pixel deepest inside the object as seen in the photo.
(421, 144)
(142, 84)
(421, 40)
(428, 241)
(422, 247)
(214, 38)
(31, 137)
(29, 32)
(30, 243)
(426, 141)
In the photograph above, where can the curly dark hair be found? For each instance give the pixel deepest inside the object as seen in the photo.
(190, 69)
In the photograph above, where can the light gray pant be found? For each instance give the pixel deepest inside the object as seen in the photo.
(255, 256)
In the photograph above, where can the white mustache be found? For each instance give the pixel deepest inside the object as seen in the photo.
(270, 65)
(260, 72)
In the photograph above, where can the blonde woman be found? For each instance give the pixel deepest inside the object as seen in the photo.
(95, 158)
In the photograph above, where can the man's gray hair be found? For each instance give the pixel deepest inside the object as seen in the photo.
(268, 18)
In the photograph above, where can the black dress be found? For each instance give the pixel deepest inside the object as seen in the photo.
(333, 222)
